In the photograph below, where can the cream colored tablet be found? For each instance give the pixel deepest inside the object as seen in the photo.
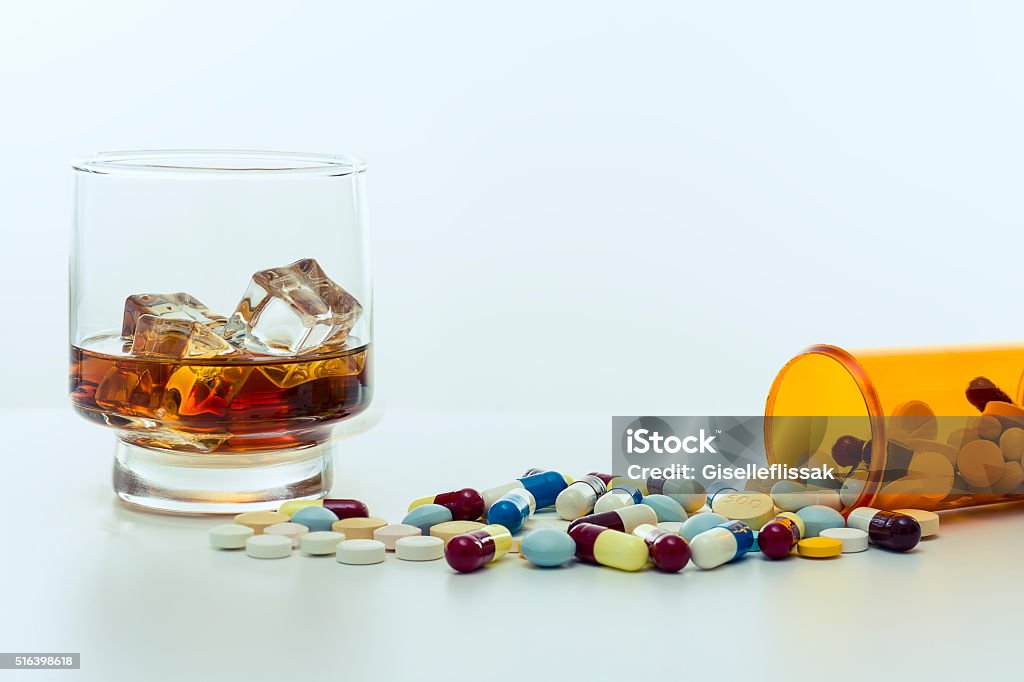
(1011, 443)
(853, 539)
(988, 427)
(919, 445)
(961, 437)
(929, 521)
(268, 546)
(1005, 411)
(753, 509)
(913, 419)
(261, 519)
(422, 548)
(1012, 478)
(292, 531)
(934, 471)
(446, 531)
(980, 463)
(392, 533)
(358, 528)
(230, 536)
(321, 542)
(360, 552)
(671, 526)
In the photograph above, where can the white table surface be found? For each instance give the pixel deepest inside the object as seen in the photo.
(142, 596)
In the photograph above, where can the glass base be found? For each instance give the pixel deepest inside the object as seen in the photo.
(220, 483)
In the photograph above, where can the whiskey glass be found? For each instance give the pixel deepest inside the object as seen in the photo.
(221, 320)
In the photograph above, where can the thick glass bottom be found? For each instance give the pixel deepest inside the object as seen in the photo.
(187, 483)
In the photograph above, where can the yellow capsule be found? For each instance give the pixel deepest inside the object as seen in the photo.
(599, 545)
(292, 506)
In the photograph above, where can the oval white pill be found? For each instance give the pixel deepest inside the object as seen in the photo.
(292, 531)
(671, 526)
(852, 539)
(422, 548)
(321, 542)
(390, 534)
(929, 521)
(268, 546)
(230, 536)
(360, 552)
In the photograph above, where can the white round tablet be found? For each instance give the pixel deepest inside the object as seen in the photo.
(292, 531)
(422, 548)
(321, 542)
(853, 539)
(230, 536)
(268, 546)
(671, 526)
(929, 520)
(360, 552)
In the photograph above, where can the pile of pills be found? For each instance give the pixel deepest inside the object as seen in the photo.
(607, 520)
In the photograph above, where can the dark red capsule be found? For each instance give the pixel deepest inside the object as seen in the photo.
(669, 552)
(346, 509)
(848, 451)
(778, 537)
(465, 505)
(981, 391)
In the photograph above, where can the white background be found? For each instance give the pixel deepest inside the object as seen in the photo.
(573, 205)
(604, 208)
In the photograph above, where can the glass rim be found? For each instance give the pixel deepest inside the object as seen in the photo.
(236, 163)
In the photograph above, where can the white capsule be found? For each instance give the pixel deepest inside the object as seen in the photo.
(721, 544)
(579, 498)
(613, 501)
(492, 495)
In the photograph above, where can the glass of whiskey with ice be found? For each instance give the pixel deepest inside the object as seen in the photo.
(221, 321)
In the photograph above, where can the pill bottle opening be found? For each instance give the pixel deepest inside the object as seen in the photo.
(819, 396)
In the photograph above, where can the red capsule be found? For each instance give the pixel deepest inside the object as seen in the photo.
(669, 552)
(346, 509)
(778, 537)
(465, 504)
(607, 478)
(469, 551)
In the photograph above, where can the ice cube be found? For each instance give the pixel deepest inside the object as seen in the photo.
(163, 337)
(293, 310)
(129, 390)
(203, 389)
(179, 306)
(292, 374)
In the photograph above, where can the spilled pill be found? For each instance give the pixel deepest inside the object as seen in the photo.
(268, 546)
(321, 542)
(360, 552)
(315, 518)
(358, 528)
(421, 548)
(230, 536)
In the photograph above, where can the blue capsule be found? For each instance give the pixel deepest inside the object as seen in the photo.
(512, 509)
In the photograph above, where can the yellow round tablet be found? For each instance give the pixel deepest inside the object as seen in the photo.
(358, 528)
(449, 529)
(754, 509)
(260, 520)
(819, 548)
